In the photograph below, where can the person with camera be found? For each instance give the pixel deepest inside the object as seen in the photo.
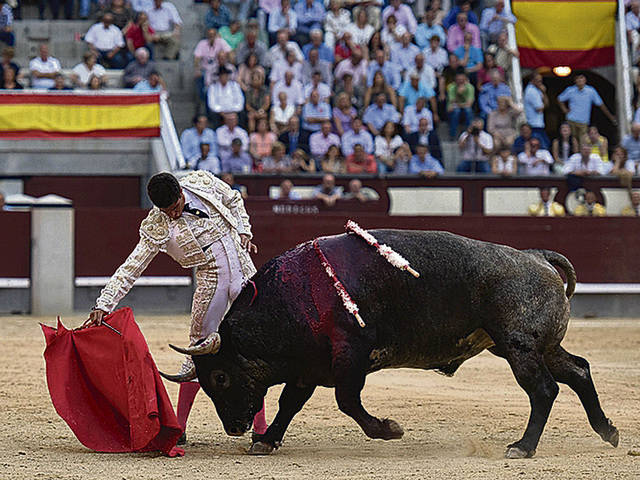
(475, 147)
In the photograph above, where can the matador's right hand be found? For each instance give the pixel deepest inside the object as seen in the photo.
(95, 318)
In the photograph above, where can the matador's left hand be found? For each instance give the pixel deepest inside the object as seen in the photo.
(246, 243)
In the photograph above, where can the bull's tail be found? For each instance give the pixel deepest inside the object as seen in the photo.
(560, 261)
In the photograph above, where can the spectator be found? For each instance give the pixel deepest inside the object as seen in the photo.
(389, 70)
(283, 19)
(167, 24)
(452, 16)
(232, 34)
(526, 133)
(258, 101)
(488, 65)
(229, 132)
(488, 97)
(392, 33)
(427, 29)
(281, 48)
(402, 160)
(590, 207)
(43, 68)
(327, 191)
(217, 16)
(455, 36)
(139, 69)
(436, 6)
(262, 141)
(404, 55)
(54, 5)
(448, 75)
(633, 23)
(225, 95)
(494, 20)
(412, 90)
(95, 83)
(424, 71)
(355, 66)
(356, 192)
(193, 137)
(6, 21)
(236, 160)
(333, 161)
(7, 62)
(302, 163)
(336, 22)
(535, 101)
(501, 121)
(372, 8)
(310, 15)
(89, 66)
(423, 164)
(435, 56)
(403, 14)
(315, 113)
(379, 113)
(59, 83)
(504, 54)
(380, 86)
(504, 163)
(105, 40)
(547, 207)
(475, 145)
(319, 142)
(460, 97)
(360, 30)
(622, 166)
(139, 33)
(413, 114)
(470, 57)
(343, 114)
(251, 45)
(583, 164)
(632, 210)
(290, 64)
(206, 160)
(287, 192)
(277, 161)
(247, 70)
(205, 59)
(426, 135)
(9, 81)
(580, 98)
(360, 161)
(154, 83)
(631, 143)
(122, 14)
(357, 136)
(535, 160)
(355, 92)
(385, 146)
(229, 180)
(314, 65)
(281, 114)
(290, 137)
(599, 145)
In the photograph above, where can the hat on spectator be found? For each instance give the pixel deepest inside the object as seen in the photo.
(223, 70)
(236, 141)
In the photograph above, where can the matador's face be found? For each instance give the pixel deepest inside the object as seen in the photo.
(174, 211)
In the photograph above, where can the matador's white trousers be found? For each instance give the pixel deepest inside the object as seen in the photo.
(218, 283)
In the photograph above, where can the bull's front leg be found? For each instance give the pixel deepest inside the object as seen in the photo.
(291, 401)
(349, 371)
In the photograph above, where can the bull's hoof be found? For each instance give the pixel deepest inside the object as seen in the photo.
(517, 452)
(261, 448)
(391, 429)
(612, 435)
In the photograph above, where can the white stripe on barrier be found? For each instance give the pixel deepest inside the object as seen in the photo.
(15, 283)
(141, 282)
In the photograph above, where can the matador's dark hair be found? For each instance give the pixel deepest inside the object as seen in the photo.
(163, 189)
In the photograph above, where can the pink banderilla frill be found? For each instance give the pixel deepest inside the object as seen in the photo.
(393, 257)
(347, 301)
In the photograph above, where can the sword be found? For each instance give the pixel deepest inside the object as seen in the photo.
(110, 327)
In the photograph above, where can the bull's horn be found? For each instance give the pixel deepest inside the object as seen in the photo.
(186, 374)
(210, 344)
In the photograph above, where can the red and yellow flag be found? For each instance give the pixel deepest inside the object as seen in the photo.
(576, 33)
(72, 115)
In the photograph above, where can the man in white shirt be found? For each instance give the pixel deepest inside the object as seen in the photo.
(293, 89)
(106, 41)
(583, 164)
(166, 22)
(283, 45)
(535, 160)
(87, 68)
(43, 69)
(228, 132)
(475, 145)
(225, 95)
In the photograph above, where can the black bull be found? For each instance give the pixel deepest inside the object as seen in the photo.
(471, 296)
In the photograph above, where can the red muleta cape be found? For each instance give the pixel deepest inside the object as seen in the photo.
(107, 388)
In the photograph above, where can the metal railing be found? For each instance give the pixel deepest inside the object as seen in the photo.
(170, 136)
(516, 73)
(623, 77)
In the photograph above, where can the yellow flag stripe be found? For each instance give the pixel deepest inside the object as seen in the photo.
(565, 25)
(78, 118)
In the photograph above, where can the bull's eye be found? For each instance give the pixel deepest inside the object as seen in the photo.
(219, 379)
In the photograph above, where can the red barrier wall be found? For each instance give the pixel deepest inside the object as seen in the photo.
(88, 191)
(15, 246)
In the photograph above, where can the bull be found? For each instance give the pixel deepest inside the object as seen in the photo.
(291, 327)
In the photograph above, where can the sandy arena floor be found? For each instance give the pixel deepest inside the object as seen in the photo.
(454, 427)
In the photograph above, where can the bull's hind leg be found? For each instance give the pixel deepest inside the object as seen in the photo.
(575, 372)
(535, 379)
(349, 373)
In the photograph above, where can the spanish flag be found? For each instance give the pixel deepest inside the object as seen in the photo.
(576, 33)
(73, 115)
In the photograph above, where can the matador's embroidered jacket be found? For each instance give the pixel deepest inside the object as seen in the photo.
(183, 239)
